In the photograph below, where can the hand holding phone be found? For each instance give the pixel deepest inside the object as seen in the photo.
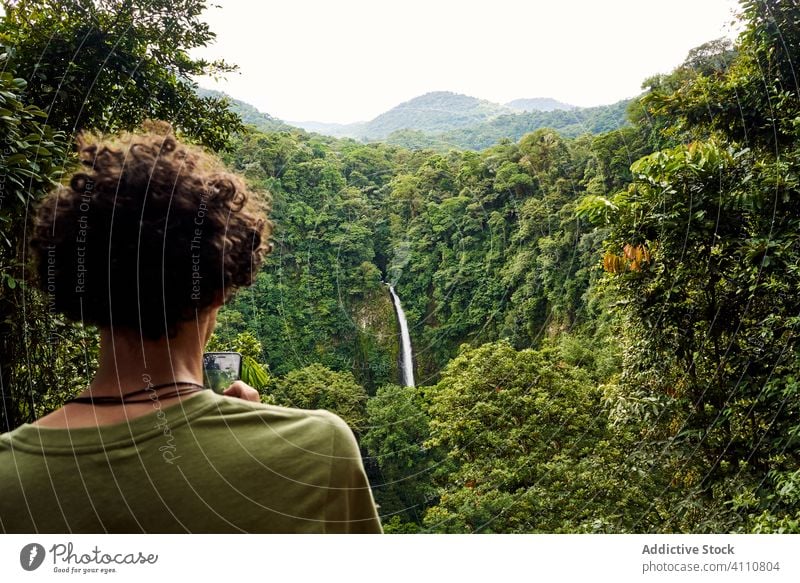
(242, 390)
(221, 369)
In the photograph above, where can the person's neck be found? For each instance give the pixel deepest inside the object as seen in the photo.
(128, 362)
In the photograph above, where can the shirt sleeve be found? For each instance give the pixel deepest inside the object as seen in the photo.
(351, 507)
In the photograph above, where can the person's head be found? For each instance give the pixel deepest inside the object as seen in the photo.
(150, 233)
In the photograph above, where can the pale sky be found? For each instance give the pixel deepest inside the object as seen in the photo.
(350, 60)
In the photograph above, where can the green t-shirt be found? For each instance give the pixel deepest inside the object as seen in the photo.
(209, 464)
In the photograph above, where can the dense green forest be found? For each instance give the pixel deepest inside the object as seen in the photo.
(604, 319)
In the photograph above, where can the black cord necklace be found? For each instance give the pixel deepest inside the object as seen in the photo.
(190, 387)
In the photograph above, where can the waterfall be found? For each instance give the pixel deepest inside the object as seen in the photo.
(406, 356)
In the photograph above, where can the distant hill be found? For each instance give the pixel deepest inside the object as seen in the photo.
(538, 104)
(571, 123)
(443, 120)
(434, 112)
(249, 114)
(338, 130)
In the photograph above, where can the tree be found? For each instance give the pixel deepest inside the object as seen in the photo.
(318, 387)
(397, 430)
(111, 64)
(531, 447)
(29, 164)
(703, 254)
(82, 64)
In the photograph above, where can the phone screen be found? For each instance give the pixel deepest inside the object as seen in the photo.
(220, 369)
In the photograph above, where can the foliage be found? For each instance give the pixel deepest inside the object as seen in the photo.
(397, 429)
(433, 112)
(531, 447)
(318, 387)
(249, 115)
(30, 162)
(569, 123)
(112, 64)
(710, 308)
(491, 244)
(319, 296)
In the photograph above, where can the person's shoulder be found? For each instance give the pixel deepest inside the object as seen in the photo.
(236, 406)
(313, 422)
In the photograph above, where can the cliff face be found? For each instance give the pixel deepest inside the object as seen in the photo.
(377, 338)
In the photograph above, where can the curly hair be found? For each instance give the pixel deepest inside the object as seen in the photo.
(147, 234)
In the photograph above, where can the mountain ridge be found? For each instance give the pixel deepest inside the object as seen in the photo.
(432, 112)
(445, 119)
(250, 114)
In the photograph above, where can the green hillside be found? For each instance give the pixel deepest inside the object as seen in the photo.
(435, 112)
(571, 123)
(443, 120)
(248, 113)
(568, 123)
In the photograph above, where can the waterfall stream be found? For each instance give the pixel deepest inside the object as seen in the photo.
(406, 356)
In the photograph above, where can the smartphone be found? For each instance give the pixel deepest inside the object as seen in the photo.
(220, 369)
